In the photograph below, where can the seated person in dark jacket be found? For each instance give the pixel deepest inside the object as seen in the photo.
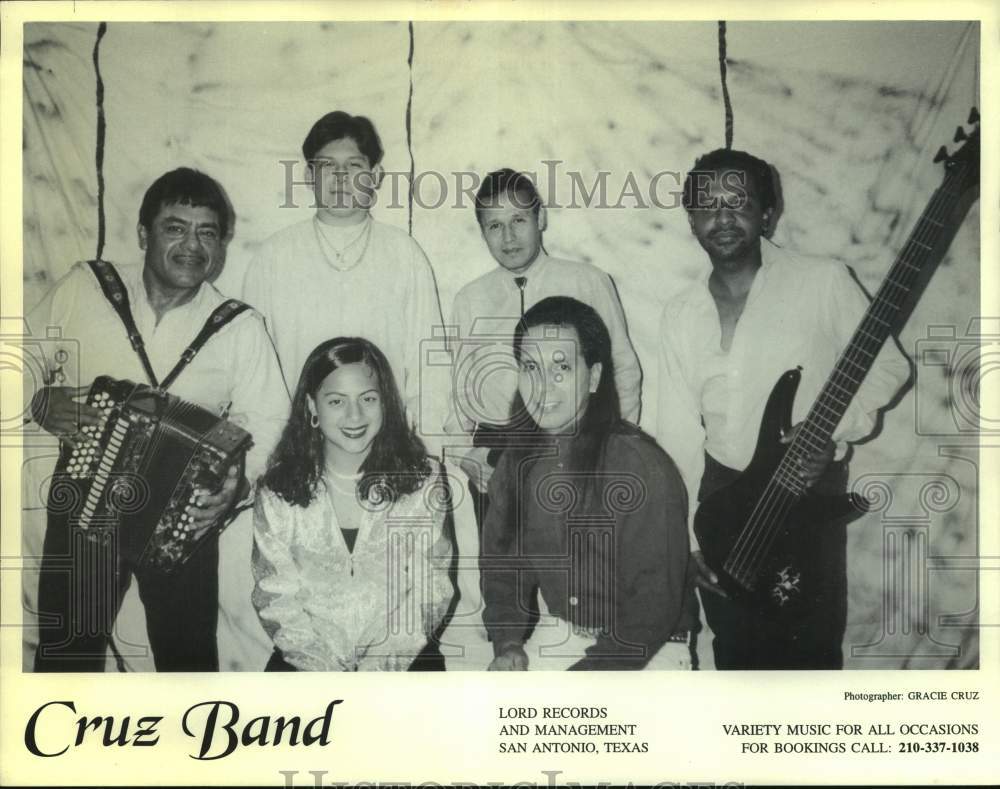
(587, 513)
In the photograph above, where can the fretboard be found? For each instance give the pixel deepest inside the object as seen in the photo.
(874, 329)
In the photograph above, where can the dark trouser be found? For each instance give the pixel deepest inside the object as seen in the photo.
(745, 639)
(278, 662)
(82, 582)
(429, 659)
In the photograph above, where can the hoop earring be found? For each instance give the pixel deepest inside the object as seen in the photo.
(314, 421)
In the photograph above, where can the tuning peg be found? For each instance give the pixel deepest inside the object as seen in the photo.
(941, 155)
(959, 135)
(973, 116)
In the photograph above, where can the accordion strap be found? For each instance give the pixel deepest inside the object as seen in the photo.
(220, 316)
(117, 295)
(114, 291)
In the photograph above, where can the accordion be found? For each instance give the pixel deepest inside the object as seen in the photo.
(136, 471)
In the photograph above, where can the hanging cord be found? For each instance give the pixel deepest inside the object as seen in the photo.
(409, 132)
(99, 152)
(725, 87)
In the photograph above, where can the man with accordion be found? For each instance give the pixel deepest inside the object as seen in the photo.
(181, 400)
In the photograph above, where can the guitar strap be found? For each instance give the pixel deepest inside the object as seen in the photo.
(116, 294)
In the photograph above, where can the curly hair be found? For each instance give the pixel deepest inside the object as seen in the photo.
(397, 463)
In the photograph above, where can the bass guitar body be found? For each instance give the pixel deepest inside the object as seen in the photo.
(762, 539)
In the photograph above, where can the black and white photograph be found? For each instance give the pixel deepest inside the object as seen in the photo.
(486, 351)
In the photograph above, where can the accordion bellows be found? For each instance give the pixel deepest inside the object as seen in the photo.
(135, 473)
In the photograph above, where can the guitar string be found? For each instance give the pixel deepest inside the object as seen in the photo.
(782, 473)
(785, 498)
(777, 498)
(747, 558)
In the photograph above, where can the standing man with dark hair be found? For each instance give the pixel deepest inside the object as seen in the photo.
(757, 312)
(512, 220)
(166, 303)
(340, 272)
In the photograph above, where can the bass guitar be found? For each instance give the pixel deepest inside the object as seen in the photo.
(759, 533)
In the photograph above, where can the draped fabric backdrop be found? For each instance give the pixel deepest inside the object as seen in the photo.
(849, 113)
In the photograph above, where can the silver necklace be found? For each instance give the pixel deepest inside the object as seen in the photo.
(339, 258)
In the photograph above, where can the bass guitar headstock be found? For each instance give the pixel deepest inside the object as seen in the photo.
(967, 154)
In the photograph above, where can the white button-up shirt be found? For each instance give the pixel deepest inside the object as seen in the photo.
(799, 312)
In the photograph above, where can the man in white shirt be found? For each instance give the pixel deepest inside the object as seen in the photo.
(183, 228)
(512, 220)
(340, 272)
(726, 340)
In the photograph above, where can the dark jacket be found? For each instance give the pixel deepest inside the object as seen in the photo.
(608, 551)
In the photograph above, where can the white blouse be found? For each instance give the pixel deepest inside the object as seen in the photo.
(330, 609)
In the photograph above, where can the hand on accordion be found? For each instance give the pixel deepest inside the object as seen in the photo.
(208, 506)
(58, 411)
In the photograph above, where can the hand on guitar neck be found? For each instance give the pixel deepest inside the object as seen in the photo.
(810, 470)
(813, 467)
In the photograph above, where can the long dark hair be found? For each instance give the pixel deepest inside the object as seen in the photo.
(397, 464)
(602, 416)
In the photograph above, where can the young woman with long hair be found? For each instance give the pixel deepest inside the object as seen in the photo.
(588, 515)
(350, 557)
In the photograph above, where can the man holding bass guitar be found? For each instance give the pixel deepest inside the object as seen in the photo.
(726, 339)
